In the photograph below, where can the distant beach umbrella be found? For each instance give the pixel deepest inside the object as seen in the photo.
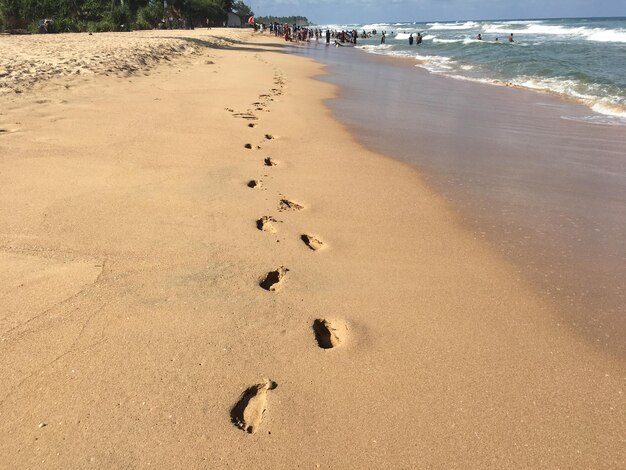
(251, 20)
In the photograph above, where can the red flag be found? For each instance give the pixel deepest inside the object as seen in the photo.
(251, 20)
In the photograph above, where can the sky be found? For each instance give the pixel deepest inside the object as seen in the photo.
(374, 11)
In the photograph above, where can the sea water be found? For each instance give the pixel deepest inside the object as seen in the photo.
(531, 173)
(583, 59)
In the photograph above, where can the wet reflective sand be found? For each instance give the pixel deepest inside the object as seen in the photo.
(522, 168)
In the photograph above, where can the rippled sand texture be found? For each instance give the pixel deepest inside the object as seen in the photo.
(29, 60)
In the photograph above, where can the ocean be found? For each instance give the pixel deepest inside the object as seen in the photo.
(540, 178)
(583, 59)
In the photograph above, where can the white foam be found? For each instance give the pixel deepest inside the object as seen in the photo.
(401, 36)
(445, 26)
(432, 57)
(377, 26)
(598, 120)
(472, 41)
(607, 105)
(447, 41)
(608, 108)
(608, 35)
(525, 22)
(457, 41)
(336, 27)
(435, 63)
(539, 29)
(377, 48)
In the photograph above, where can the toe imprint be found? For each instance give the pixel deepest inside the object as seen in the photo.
(249, 411)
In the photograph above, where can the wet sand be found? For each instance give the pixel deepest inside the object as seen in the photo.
(202, 268)
(549, 193)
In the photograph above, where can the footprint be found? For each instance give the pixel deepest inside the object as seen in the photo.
(248, 146)
(274, 279)
(230, 110)
(269, 136)
(329, 334)
(251, 124)
(265, 224)
(255, 184)
(270, 162)
(287, 205)
(312, 242)
(248, 413)
(248, 116)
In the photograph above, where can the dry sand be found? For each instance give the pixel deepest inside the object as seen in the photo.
(147, 320)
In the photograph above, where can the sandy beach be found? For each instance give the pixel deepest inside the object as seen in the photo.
(202, 268)
(526, 171)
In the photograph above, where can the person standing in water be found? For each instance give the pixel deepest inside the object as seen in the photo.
(419, 38)
(511, 37)
(411, 39)
(382, 39)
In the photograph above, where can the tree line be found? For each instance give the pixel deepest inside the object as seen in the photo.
(117, 15)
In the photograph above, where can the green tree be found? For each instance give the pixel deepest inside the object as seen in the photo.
(242, 10)
(106, 15)
(92, 10)
(201, 10)
(150, 15)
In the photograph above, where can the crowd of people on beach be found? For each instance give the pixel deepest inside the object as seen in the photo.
(292, 32)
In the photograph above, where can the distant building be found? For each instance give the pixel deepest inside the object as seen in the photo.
(233, 21)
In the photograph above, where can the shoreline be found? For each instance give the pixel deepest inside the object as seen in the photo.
(453, 50)
(135, 318)
(611, 117)
(505, 193)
